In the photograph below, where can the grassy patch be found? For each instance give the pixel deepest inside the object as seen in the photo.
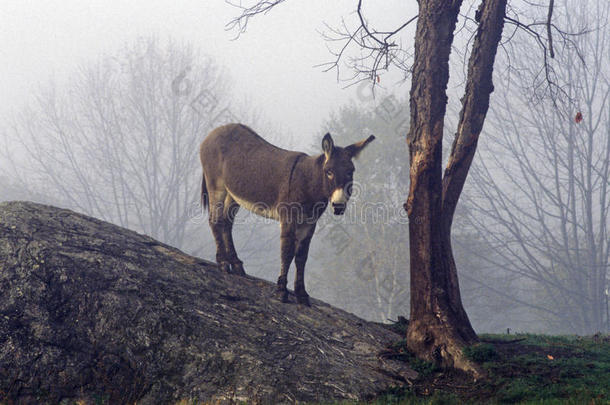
(550, 369)
(481, 352)
(522, 369)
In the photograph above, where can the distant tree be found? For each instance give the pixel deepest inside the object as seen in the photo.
(541, 197)
(120, 140)
(491, 295)
(439, 327)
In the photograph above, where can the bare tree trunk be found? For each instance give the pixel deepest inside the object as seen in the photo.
(439, 327)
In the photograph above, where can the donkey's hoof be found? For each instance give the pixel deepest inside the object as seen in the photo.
(303, 299)
(238, 268)
(225, 267)
(281, 295)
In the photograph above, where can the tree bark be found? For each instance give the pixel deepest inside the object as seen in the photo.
(475, 104)
(439, 326)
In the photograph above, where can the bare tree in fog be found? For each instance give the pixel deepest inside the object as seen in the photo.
(120, 141)
(542, 195)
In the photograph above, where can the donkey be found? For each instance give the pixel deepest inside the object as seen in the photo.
(242, 169)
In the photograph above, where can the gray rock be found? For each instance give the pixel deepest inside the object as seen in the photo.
(94, 312)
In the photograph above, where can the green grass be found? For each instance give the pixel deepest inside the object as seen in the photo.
(481, 352)
(551, 370)
(537, 369)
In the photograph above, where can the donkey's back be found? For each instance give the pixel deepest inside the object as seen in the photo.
(253, 171)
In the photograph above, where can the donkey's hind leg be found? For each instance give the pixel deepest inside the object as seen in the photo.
(287, 247)
(218, 224)
(231, 208)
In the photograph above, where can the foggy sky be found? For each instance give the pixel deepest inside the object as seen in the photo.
(271, 65)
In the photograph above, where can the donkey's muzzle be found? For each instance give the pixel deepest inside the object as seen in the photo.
(338, 208)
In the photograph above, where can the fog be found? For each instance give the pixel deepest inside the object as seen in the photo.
(88, 85)
(272, 65)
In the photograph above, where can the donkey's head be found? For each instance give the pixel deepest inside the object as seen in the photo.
(338, 170)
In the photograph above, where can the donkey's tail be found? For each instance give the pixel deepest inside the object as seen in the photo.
(205, 199)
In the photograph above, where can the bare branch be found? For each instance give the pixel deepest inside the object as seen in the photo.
(381, 51)
(240, 23)
(548, 28)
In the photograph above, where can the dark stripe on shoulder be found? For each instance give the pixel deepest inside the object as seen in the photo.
(294, 165)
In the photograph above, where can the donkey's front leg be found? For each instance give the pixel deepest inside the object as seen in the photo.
(287, 247)
(304, 233)
(218, 225)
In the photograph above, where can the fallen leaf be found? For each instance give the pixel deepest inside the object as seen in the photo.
(548, 356)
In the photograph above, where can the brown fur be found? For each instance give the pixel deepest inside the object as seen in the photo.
(241, 168)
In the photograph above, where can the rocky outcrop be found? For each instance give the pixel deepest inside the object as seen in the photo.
(90, 311)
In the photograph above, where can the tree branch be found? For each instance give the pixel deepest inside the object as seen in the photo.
(548, 28)
(240, 23)
(381, 51)
(474, 103)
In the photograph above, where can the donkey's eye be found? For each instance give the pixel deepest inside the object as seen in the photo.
(329, 174)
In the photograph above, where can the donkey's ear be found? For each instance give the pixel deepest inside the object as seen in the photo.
(327, 145)
(355, 148)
